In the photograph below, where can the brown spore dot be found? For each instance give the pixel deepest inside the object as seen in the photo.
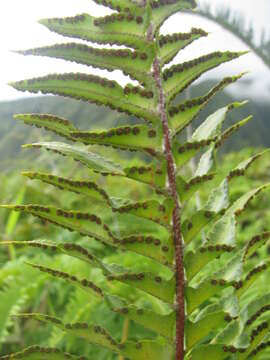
(139, 19)
(152, 133)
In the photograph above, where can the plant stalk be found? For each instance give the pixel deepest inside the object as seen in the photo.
(124, 334)
(177, 234)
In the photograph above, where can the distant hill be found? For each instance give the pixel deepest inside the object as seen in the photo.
(88, 116)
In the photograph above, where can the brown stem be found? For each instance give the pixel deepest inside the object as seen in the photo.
(177, 234)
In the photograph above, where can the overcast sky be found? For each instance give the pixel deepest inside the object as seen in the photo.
(19, 30)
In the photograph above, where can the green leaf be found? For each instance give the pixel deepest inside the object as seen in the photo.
(197, 296)
(136, 64)
(84, 284)
(159, 323)
(240, 204)
(92, 160)
(254, 309)
(197, 331)
(69, 249)
(13, 219)
(184, 113)
(154, 285)
(147, 245)
(183, 153)
(92, 88)
(206, 162)
(195, 261)
(12, 297)
(243, 285)
(108, 30)
(187, 189)
(123, 5)
(230, 268)
(260, 350)
(163, 10)
(227, 133)
(257, 336)
(171, 44)
(84, 223)
(240, 169)
(179, 77)
(151, 175)
(151, 209)
(92, 226)
(191, 227)
(86, 188)
(223, 232)
(137, 137)
(14, 216)
(255, 243)
(211, 352)
(147, 350)
(49, 122)
(206, 134)
(230, 335)
(211, 126)
(37, 352)
(219, 197)
(227, 303)
(94, 334)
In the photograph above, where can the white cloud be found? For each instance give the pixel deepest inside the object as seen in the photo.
(256, 11)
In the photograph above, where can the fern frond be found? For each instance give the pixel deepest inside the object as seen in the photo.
(198, 330)
(137, 137)
(171, 44)
(192, 226)
(195, 261)
(85, 284)
(119, 29)
(41, 353)
(148, 283)
(159, 323)
(86, 188)
(53, 123)
(177, 269)
(136, 64)
(178, 77)
(98, 335)
(182, 114)
(91, 160)
(93, 89)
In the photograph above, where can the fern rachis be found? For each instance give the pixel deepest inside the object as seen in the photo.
(193, 263)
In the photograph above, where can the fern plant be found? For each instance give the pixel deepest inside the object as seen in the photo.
(200, 276)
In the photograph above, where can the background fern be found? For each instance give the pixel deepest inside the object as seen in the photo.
(132, 207)
(235, 23)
